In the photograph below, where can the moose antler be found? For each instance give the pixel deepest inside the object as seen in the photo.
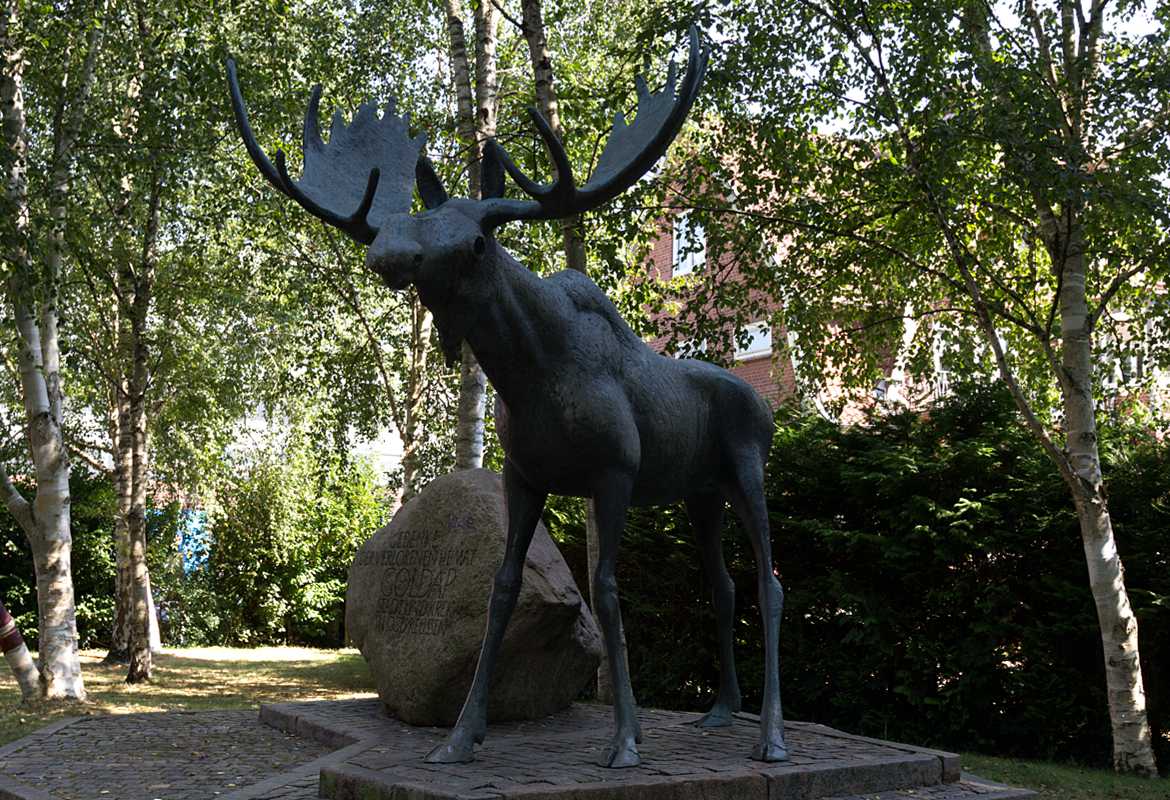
(630, 151)
(372, 164)
(335, 174)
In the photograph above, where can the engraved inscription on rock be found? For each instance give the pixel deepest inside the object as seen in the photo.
(416, 577)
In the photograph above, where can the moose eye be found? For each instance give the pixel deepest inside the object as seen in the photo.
(480, 245)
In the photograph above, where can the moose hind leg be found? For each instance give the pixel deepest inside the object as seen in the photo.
(746, 494)
(611, 501)
(524, 507)
(706, 514)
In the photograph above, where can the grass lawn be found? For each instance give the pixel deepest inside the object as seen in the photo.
(1065, 781)
(195, 679)
(223, 677)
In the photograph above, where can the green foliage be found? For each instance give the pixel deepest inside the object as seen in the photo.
(272, 569)
(872, 161)
(93, 563)
(280, 548)
(934, 589)
(185, 601)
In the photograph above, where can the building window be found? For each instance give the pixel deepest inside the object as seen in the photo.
(691, 348)
(759, 342)
(689, 245)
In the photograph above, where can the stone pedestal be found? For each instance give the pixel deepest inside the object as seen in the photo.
(557, 759)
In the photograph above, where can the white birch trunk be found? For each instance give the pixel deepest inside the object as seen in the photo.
(143, 283)
(896, 392)
(52, 543)
(137, 633)
(420, 337)
(546, 101)
(477, 123)
(120, 421)
(1132, 744)
(472, 405)
(47, 522)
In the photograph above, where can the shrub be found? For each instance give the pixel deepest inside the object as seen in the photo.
(279, 551)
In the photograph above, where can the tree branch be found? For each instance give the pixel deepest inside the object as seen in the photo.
(959, 252)
(932, 312)
(16, 504)
(1044, 48)
(997, 308)
(1069, 54)
(519, 25)
(93, 463)
(1119, 280)
(351, 300)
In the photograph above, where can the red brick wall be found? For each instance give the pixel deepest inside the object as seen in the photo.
(772, 377)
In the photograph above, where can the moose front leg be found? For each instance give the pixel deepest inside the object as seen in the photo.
(525, 505)
(611, 500)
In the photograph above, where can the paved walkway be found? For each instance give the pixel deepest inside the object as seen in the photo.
(281, 753)
(153, 757)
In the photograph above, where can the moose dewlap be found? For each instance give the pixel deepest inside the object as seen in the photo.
(417, 607)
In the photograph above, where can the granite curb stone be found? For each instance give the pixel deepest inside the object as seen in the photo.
(12, 789)
(306, 774)
(951, 767)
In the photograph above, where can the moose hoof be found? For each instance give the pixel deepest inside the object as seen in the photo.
(459, 749)
(770, 751)
(623, 753)
(720, 716)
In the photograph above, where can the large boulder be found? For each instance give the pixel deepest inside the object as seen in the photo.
(417, 603)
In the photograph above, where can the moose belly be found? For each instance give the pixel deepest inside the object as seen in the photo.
(561, 442)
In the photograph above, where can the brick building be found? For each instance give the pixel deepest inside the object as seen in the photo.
(680, 250)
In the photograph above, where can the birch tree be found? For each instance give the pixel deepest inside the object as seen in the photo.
(477, 106)
(143, 158)
(393, 337)
(996, 168)
(33, 291)
(137, 199)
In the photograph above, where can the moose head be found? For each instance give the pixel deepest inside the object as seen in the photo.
(593, 412)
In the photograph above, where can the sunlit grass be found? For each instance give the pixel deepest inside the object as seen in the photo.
(196, 679)
(1065, 781)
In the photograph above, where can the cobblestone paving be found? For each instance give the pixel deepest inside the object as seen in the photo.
(157, 756)
(350, 748)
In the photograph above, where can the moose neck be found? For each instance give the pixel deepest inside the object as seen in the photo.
(505, 314)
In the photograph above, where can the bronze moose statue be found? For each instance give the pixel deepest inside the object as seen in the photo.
(593, 411)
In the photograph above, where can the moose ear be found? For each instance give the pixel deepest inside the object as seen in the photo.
(430, 188)
(491, 174)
